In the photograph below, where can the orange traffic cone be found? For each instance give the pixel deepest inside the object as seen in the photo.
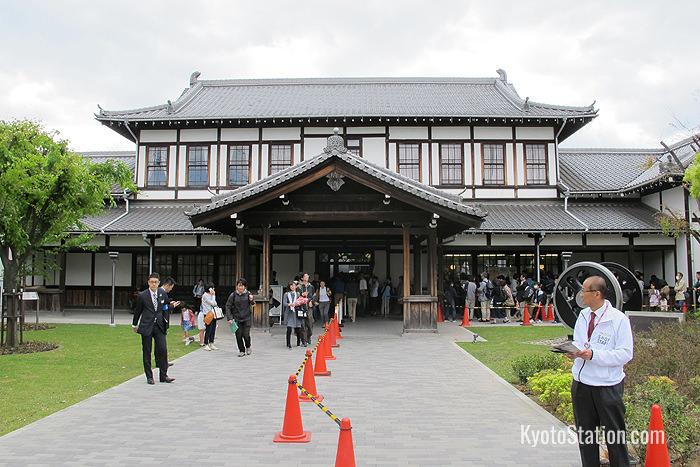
(550, 313)
(292, 428)
(338, 335)
(309, 382)
(526, 317)
(657, 450)
(345, 455)
(465, 318)
(333, 335)
(685, 307)
(327, 341)
(320, 368)
(440, 317)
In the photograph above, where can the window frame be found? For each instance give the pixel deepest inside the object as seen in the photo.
(359, 144)
(269, 154)
(247, 144)
(187, 165)
(420, 158)
(545, 164)
(502, 144)
(460, 145)
(167, 166)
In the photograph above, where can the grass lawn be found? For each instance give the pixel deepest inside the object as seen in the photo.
(90, 359)
(506, 343)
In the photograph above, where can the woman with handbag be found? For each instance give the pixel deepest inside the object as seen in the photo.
(290, 315)
(209, 317)
(239, 307)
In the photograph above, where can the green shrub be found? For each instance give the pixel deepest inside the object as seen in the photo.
(681, 416)
(527, 365)
(553, 389)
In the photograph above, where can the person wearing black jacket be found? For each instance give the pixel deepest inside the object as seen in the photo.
(239, 306)
(151, 321)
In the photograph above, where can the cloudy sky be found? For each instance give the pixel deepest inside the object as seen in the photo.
(638, 60)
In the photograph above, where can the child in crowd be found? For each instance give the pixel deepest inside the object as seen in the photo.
(663, 302)
(187, 324)
(654, 297)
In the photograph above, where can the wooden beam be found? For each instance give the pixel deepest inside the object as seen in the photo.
(240, 253)
(406, 234)
(256, 217)
(332, 231)
(432, 263)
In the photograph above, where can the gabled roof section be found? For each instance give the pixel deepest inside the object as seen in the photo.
(341, 97)
(337, 152)
(128, 157)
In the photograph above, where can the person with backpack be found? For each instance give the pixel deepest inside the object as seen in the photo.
(523, 296)
(485, 291)
(498, 299)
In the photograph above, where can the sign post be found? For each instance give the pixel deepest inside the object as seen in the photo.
(26, 296)
(114, 256)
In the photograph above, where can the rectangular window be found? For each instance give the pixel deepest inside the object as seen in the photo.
(408, 160)
(157, 166)
(191, 268)
(535, 164)
(238, 165)
(280, 157)
(227, 270)
(198, 166)
(162, 264)
(493, 156)
(451, 164)
(354, 146)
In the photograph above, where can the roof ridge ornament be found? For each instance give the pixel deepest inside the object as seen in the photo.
(193, 78)
(526, 104)
(170, 107)
(502, 75)
(335, 180)
(336, 143)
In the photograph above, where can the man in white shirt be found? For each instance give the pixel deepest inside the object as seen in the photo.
(604, 337)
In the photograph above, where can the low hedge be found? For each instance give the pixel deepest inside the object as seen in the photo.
(527, 365)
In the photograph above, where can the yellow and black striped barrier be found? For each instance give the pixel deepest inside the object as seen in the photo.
(325, 409)
(301, 367)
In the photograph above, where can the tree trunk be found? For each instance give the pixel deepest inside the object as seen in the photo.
(11, 282)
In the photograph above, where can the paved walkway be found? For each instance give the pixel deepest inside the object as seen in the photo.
(416, 400)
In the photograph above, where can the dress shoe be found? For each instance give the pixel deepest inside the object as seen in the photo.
(150, 381)
(167, 379)
(170, 364)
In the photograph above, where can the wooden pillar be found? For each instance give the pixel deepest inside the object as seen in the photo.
(260, 319)
(440, 266)
(406, 262)
(240, 253)
(432, 263)
(417, 289)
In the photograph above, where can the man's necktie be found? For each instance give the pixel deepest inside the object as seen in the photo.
(155, 302)
(591, 325)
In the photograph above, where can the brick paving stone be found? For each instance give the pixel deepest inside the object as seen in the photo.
(414, 400)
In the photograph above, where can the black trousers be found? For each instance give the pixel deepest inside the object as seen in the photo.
(209, 332)
(243, 335)
(161, 351)
(602, 406)
(300, 336)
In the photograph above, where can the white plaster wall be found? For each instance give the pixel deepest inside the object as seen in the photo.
(239, 134)
(309, 261)
(172, 165)
(525, 192)
(392, 157)
(539, 133)
(175, 240)
(493, 132)
(435, 167)
(296, 153)
(182, 167)
(468, 175)
(359, 130)
(103, 270)
(606, 239)
(223, 161)
(451, 132)
(213, 161)
(254, 162)
(127, 240)
(509, 165)
(198, 135)
(656, 239)
(670, 267)
(97, 240)
(652, 200)
(674, 199)
(141, 167)
(401, 132)
(510, 240)
(78, 268)
(468, 240)
(218, 240)
(374, 151)
(158, 136)
(380, 264)
(425, 167)
(495, 193)
(552, 161)
(281, 134)
(286, 265)
(478, 180)
(193, 194)
(159, 194)
(561, 239)
(313, 147)
(264, 161)
(320, 130)
(520, 163)
(682, 255)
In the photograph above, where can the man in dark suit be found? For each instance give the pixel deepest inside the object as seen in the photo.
(152, 309)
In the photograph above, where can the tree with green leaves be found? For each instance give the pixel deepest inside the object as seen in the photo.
(675, 224)
(45, 192)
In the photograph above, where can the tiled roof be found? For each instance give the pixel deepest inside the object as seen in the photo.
(128, 157)
(339, 97)
(550, 216)
(146, 216)
(408, 185)
(602, 169)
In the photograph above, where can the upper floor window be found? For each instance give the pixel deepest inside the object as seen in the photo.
(493, 157)
(238, 165)
(451, 164)
(280, 157)
(354, 146)
(408, 160)
(198, 166)
(157, 166)
(535, 164)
